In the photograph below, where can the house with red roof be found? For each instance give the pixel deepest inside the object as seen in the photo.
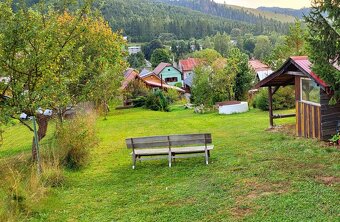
(150, 79)
(187, 66)
(315, 117)
(171, 75)
(262, 70)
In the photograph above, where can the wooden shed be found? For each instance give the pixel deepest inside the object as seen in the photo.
(315, 118)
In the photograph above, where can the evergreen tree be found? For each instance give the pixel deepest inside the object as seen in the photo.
(324, 40)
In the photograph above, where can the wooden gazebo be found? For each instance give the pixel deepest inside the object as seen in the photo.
(315, 118)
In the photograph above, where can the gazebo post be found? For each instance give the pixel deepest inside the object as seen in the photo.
(270, 93)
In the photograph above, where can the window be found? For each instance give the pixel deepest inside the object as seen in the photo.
(172, 79)
(310, 91)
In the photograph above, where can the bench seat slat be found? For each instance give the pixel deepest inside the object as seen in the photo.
(164, 151)
(182, 150)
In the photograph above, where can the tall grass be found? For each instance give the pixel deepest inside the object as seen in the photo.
(74, 140)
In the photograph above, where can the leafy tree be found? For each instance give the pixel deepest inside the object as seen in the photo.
(136, 60)
(148, 48)
(222, 43)
(201, 91)
(207, 43)
(207, 55)
(249, 44)
(262, 47)
(291, 45)
(42, 51)
(324, 38)
(160, 55)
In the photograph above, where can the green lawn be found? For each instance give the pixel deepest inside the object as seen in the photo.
(254, 175)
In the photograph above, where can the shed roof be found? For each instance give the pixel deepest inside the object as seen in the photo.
(285, 75)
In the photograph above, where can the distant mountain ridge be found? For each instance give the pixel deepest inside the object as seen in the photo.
(144, 20)
(298, 13)
(232, 12)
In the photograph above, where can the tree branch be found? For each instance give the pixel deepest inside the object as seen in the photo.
(25, 124)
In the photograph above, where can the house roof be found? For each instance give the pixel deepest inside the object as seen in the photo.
(129, 75)
(286, 74)
(188, 64)
(257, 65)
(160, 67)
(144, 72)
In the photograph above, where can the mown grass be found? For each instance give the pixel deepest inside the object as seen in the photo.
(254, 175)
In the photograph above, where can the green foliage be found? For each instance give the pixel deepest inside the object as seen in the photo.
(75, 140)
(335, 138)
(284, 98)
(157, 101)
(227, 79)
(222, 43)
(180, 48)
(323, 40)
(136, 60)
(286, 46)
(263, 47)
(172, 95)
(150, 47)
(207, 55)
(201, 91)
(56, 58)
(160, 55)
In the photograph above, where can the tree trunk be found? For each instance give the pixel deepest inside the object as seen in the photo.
(42, 122)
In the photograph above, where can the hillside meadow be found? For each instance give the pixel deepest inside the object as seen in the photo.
(254, 174)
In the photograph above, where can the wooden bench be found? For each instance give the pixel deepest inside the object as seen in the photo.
(170, 147)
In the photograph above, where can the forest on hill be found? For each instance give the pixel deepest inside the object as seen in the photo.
(144, 20)
(298, 13)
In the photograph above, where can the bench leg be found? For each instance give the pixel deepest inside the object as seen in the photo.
(170, 158)
(206, 157)
(133, 161)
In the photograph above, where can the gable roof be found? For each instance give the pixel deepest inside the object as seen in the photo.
(257, 65)
(144, 72)
(282, 76)
(188, 64)
(160, 67)
(129, 75)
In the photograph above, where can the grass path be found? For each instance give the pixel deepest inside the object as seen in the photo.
(254, 175)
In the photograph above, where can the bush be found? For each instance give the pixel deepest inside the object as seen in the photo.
(172, 95)
(139, 101)
(284, 98)
(74, 140)
(157, 101)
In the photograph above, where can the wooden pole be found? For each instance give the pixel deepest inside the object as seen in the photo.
(270, 96)
(36, 140)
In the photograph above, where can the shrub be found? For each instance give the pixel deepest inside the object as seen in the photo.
(284, 98)
(157, 101)
(172, 95)
(139, 101)
(74, 140)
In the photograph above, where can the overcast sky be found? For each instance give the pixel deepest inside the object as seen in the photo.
(270, 3)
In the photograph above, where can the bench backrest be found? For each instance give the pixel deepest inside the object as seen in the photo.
(168, 141)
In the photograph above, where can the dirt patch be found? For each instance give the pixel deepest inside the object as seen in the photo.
(288, 129)
(328, 180)
(244, 207)
(241, 212)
